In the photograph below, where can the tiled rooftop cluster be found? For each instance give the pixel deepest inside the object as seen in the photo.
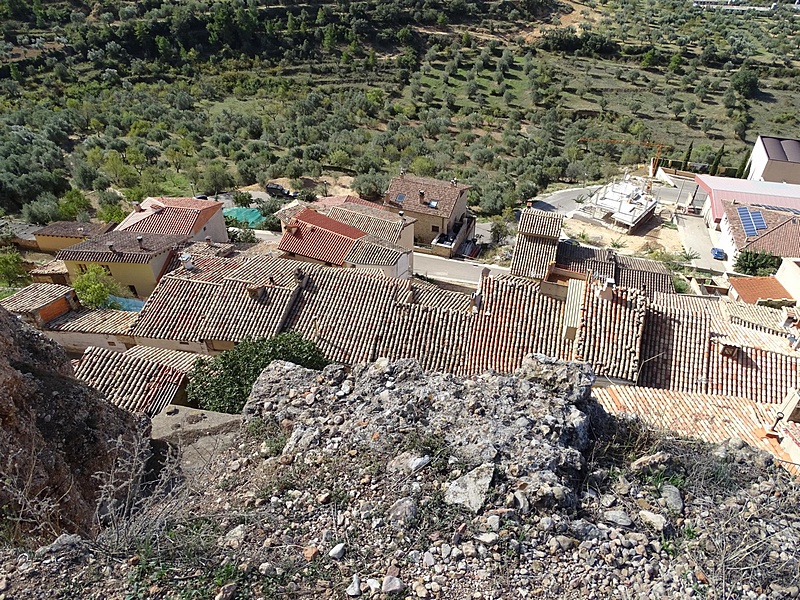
(335, 242)
(355, 316)
(650, 276)
(712, 418)
(717, 347)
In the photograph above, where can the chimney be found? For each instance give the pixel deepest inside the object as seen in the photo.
(80, 229)
(401, 213)
(139, 241)
(402, 172)
(186, 261)
(257, 292)
(272, 281)
(606, 292)
(110, 246)
(422, 196)
(529, 204)
(298, 274)
(209, 240)
(137, 207)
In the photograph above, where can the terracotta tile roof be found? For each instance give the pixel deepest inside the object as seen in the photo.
(703, 347)
(131, 383)
(753, 289)
(610, 335)
(35, 296)
(514, 319)
(75, 229)
(782, 240)
(540, 223)
(443, 192)
(312, 235)
(104, 321)
(372, 250)
(712, 418)
(286, 213)
(532, 256)
(435, 338)
(51, 268)
(417, 291)
(373, 220)
(190, 310)
(675, 347)
(762, 318)
(684, 301)
(126, 248)
(176, 359)
(176, 310)
(754, 373)
(171, 216)
(627, 271)
(330, 201)
(204, 268)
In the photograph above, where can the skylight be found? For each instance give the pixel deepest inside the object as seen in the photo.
(400, 198)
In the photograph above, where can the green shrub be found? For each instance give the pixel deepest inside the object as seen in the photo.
(223, 383)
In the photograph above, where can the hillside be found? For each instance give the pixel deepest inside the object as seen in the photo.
(385, 481)
(165, 97)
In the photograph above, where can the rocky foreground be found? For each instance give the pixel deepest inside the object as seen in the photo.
(384, 481)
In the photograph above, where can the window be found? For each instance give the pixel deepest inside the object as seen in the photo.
(400, 198)
(435, 228)
(107, 269)
(82, 268)
(132, 288)
(110, 343)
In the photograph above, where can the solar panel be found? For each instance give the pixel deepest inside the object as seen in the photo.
(758, 219)
(794, 211)
(747, 221)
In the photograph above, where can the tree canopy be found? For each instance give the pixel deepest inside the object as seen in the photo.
(95, 288)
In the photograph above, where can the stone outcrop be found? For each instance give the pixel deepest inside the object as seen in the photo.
(56, 434)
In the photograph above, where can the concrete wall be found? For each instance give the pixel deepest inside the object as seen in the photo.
(788, 276)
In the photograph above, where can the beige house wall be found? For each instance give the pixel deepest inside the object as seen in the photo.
(215, 228)
(423, 228)
(53, 243)
(197, 347)
(143, 277)
(77, 342)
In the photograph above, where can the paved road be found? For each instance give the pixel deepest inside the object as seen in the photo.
(459, 271)
(696, 236)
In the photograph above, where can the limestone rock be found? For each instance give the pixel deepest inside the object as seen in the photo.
(470, 490)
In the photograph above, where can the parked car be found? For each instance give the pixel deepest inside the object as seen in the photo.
(278, 191)
(718, 254)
